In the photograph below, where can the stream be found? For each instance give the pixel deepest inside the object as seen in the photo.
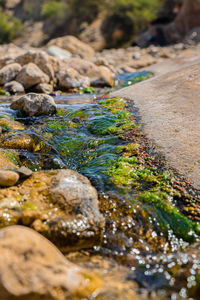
(151, 214)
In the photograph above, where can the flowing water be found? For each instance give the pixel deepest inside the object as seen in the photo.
(151, 214)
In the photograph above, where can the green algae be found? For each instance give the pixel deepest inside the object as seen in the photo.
(136, 79)
(12, 156)
(87, 90)
(169, 217)
(28, 206)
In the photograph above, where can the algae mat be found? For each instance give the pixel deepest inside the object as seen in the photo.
(170, 111)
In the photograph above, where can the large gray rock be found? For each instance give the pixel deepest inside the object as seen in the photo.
(70, 78)
(31, 75)
(34, 104)
(32, 268)
(9, 73)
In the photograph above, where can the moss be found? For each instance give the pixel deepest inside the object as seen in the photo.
(113, 104)
(28, 206)
(169, 217)
(13, 157)
(87, 90)
(136, 79)
(111, 124)
(3, 92)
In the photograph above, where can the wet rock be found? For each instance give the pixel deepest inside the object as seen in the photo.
(32, 268)
(31, 75)
(40, 59)
(58, 52)
(8, 178)
(65, 206)
(14, 87)
(70, 78)
(43, 88)
(11, 125)
(9, 73)
(17, 141)
(34, 105)
(24, 172)
(74, 46)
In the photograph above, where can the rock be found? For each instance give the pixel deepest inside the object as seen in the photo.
(40, 59)
(11, 125)
(70, 78)
(106, 78)
(10, 4)
(14, 87)
(99, 75)
(66, 207)
(31, 75)
(17, 141)
(10, 51)
(43, 88)
(24, 172)
(9, 73)
(32, 268)
(93, 36)
(8, 178)
(34, 104)
(58, 52)
(73, 45)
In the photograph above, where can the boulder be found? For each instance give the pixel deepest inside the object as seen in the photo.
(9, 73)
(8, 178)
(14, 87)
(58, 52)
(63, 207)
(40, 59)
(105, 78)
(31, 75)
(70, 78)
(99, 75)
(32, 268)
(43, 88)
(73, 45)
(10, 51)
(34, 104)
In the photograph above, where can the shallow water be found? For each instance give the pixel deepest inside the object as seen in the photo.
(152, 236)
